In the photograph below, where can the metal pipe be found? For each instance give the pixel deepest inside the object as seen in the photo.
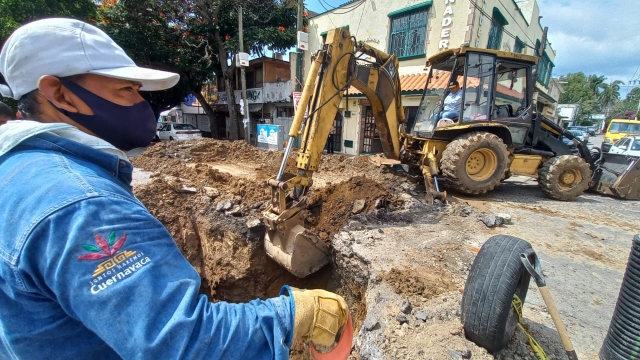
(285, 158)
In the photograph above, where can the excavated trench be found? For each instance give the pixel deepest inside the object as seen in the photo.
(213, 215)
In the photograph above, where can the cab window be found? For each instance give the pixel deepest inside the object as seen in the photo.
(511, 90)
(478, 87)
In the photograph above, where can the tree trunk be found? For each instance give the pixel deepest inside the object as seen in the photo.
(228, 73)
(232, 131)
(208, 110)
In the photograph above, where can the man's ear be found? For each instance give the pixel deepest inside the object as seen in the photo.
(51, 88)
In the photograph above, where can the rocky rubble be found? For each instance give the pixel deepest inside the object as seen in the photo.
(393, 260)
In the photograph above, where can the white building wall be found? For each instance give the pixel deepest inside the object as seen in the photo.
(450, 24)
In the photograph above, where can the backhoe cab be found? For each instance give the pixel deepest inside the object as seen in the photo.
(496, 132)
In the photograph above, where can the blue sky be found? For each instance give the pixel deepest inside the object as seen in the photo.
(593, 36)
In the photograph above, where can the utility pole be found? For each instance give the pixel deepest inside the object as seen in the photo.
(300, 52)
(246, 122)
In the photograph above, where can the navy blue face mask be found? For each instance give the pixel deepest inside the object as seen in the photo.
(125, 127)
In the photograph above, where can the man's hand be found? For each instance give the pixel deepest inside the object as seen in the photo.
(319, 316)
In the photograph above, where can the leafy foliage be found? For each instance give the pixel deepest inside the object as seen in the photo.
(197, 39)
(14, 13)
(627, 108)
(592, 93)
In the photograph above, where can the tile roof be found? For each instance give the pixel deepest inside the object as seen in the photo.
(439, 81)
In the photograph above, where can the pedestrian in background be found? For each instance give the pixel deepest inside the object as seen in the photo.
(332, 135)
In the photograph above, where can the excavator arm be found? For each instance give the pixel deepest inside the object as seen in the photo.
(334, 68)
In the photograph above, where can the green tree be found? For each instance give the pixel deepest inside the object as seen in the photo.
(627, 108)
(577, 88)
(14, 13)
(609, 95)
(198, 40)
(596, 82)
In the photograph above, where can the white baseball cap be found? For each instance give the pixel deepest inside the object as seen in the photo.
(65, 47)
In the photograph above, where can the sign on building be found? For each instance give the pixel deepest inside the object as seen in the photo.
(296, 100)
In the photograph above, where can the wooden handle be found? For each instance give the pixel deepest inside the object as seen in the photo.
(557, 320)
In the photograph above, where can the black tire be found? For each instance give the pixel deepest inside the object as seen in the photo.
(171, 138)
(459, 152)
(552, 175)
(495, 276)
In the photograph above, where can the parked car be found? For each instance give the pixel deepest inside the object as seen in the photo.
(581, 135)
(628, 145)
(158, 127)
(592, 130)
(584, 129)
(178, 131)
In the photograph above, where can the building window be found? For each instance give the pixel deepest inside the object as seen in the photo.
(249, 79)
(498, 22)
(410, 113)
(545, 68)
(519, 46)
(409, 31)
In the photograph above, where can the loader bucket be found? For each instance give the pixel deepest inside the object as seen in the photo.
(294, 247)
(618, 175)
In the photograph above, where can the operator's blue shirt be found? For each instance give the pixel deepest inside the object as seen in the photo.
(86, 272)
(453, 101)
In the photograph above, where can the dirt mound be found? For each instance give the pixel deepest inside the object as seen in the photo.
(210, 195)
(425, 283)
(332, 205)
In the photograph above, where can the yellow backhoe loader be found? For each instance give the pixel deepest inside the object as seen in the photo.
(497, 132)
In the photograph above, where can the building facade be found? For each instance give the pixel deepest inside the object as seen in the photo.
(269, 94)
(567, 114)
(415, 30)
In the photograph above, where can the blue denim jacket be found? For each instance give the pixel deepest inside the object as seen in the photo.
(86, 272)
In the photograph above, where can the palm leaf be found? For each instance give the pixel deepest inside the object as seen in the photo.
(91, 248)
(112, 238)
(102, 244)
(119, 244)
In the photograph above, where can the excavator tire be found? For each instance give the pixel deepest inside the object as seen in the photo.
(564, 177)
(475, 163)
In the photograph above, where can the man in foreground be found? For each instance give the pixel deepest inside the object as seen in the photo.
(86, 272)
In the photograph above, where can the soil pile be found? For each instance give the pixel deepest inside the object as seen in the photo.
(210, 195)
(427, 283)
(331, 206)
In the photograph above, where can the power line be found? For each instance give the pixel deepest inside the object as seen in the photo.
(349, 8)
(352, 9)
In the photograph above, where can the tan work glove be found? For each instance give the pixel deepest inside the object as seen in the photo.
(319, 316)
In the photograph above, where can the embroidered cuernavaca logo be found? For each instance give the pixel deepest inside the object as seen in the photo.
(119, 264)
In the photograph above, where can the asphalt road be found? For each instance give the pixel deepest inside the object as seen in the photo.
(584, 246)
(595, 141)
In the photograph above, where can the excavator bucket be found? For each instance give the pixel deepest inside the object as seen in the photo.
(618, 175)
(294, 247)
